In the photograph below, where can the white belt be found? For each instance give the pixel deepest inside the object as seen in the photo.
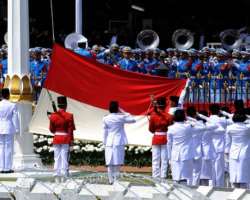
(2, 119)
(60, 133)
(160, 133)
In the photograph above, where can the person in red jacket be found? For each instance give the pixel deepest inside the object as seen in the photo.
(158, 125)
(62, 126)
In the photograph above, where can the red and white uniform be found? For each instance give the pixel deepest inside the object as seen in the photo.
(62, 125)
(158, 124)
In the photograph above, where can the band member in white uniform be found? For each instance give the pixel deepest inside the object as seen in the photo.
(115, 139)
(9, 125)
(239, 153)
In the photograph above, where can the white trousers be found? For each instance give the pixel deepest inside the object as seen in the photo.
(113, 173)
(6, 151)
(159, 161)
(197, 163)
(219, 170)
(61, 155)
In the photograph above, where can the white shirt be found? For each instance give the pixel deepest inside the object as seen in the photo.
(239, 135)
(9, 122)
(219, 133)
(113, 125)
(180, 141)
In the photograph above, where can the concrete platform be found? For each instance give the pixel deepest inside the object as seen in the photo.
(44, 175)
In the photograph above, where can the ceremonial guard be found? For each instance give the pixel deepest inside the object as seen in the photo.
(9, 125)
(114, 139)
(197, 140)
(180, 149)
(158, 125)
(239, 153)
(218, 139)
(62, 126)
(208, 153)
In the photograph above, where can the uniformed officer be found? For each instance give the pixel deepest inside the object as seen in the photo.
(158, 125)
(149, 64)
(208, 152)
(38, 68)
(197, 140)
(127, 63)
(62, 126)
(9, 125)
(239, 160)
(184, 64)
(219, 144)
(110, 56)
(114, 139)
(180, 149)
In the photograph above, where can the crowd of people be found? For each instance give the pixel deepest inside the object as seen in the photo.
(216, 74)
(201, 149)
(194, 144)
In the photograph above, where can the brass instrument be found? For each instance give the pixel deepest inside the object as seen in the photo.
(230, 39)
(182, 39)
(147, 39)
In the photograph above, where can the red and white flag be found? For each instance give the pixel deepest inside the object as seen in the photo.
(90, 86)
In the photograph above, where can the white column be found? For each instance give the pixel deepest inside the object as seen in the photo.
(78, 16)
(18, 37)
(18, 64)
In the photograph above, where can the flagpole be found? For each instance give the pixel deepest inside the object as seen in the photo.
(78, 16)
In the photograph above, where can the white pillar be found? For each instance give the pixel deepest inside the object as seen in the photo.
(78, 16)
(18, 37)
(18, 64)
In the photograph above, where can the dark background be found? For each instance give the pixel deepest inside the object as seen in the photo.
(102, 18)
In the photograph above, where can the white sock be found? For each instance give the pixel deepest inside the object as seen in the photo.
(116, 172)
(110, 169)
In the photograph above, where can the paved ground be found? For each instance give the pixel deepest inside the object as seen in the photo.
(104, 169)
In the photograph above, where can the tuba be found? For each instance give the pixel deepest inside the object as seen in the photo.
(182, 39)
(147, 39)
(230, 39)
(72, 40)
(6, 38)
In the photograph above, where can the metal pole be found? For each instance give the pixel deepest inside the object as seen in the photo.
(78, 16)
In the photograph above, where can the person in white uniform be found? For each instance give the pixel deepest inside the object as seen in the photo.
(218, 139)
(180, 147)
(115, 139)
(9, 125)
(197, 140)
(239, 153)
(208, 152)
